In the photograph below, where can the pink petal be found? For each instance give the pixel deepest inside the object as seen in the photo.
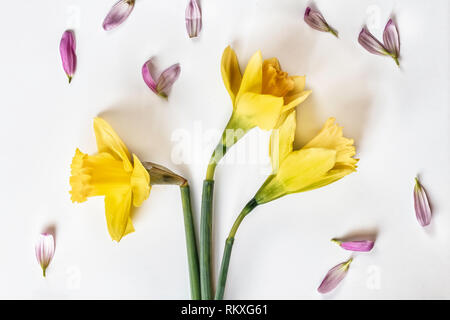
(193, 18)
(334, 277)
(67, 48)
(118, 14)
(315, 20)
(421, 205)
(391, 39)
(147, 69)
(370, 43)
(45, 249)
(167, 79)
(360, 245)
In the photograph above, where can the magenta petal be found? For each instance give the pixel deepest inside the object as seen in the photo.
(421, 205)
(193, 18)
(315, 20)
(391, 38)
(118, 14)
(370, 43)
(147, 75)
(362, 245)
(167, 79)
(334, 277)
(45, 249)
(67, 49)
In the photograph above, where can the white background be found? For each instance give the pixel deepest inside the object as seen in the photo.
(399, 119)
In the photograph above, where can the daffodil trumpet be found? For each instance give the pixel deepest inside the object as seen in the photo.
(263, 96)
(125, 181)
(327, 158)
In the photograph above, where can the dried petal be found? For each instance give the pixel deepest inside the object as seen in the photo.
(391, 39)
(118, 14)
(67, 49)
(316, 21)
(193, 18)
(45, 249)
(167, 79)
(147, 69)
(370, 43)
(334, 277)
(421, 205)
(360, 245)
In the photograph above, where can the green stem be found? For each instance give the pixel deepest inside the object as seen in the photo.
(191, 242)
(205, 240)
(229, 246)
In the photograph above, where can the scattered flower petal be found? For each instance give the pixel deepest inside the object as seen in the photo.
(147, 75)
(316, 21)
(118, 14)
(67, 49)
(421, 205)
(45, 249)
(193, 19)
(391, 40)
(361, 245)
(370, 43)
(162, 85)
(167, 79)
(334, 277)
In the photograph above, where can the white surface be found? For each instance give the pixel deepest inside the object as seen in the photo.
(399, 119)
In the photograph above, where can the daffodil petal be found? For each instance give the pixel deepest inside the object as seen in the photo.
(281, 141)
(108, 141)
(252, 79)
(299, 85)
(140, 182)
(293, 101)
(231, 73)
(117, 211)
(262, 110)
(304, 167)
(130, 227)
(331, 137)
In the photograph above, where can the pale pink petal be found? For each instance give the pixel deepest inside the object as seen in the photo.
(421, 205)
(118, 14)
(193, 18)
(334, 277)
(391, 39)
(147, 70)
(316, 21)
(360, 245)
(45, 249)
(167, 79)
(370, 43)
(67, 49)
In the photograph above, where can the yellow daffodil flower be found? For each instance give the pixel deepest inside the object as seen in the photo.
(325, 159)
(264, 96)
(111, 173)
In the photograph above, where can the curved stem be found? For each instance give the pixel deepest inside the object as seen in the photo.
(191, 242)
(228, 247)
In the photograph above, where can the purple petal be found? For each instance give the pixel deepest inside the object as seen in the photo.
(67, 48)
(370, 43)
(334, 277)
(167, 79)
(391, 39)
(45, 249)
(362, 245)
(316, 21)
(421, 205)
(118, 14)
(193, 18)
(147, 69)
